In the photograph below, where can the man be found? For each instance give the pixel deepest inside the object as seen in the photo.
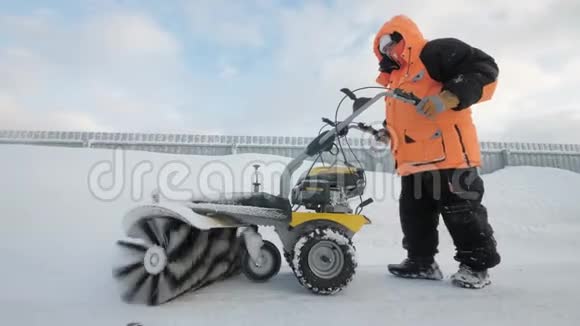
(436, 149)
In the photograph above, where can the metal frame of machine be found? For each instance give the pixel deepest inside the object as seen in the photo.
(175, 247)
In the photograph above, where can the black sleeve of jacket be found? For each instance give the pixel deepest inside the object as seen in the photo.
(463, 70)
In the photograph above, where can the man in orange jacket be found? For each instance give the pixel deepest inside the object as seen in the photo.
(436, 149)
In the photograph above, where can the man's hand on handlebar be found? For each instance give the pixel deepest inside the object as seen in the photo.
(379, 135)
(383, 136)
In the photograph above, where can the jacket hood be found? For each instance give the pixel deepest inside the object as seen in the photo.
(406, 27)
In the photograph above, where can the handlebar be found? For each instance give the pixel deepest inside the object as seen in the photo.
(325, 139)
(359, 126)
(397, 93)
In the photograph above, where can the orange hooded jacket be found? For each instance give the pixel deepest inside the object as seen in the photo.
(449, 140)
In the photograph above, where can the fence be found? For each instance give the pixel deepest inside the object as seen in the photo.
(496, 155)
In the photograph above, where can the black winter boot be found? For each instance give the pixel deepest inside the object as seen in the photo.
(418, 268)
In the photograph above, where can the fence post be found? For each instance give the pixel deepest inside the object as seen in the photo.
(505, 154)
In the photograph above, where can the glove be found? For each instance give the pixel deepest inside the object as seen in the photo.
(432, 106)
(383, 136)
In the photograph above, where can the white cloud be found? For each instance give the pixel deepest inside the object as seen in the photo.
(228, 71)
(322, 51)
(132, 111)
(14, 116)
(68, 120)
(131, 34)
(126, 70)
(22, 72)
(555, 126)
(121, 69)
(228, 23)
(56, 120)
(34, 23)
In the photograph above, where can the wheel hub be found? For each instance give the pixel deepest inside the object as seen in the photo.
(155, 260)
(325, 259)
(264, 264)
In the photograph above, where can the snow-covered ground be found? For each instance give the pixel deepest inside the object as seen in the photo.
(56, 249)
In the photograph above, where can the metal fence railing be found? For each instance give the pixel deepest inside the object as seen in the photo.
(496, 155)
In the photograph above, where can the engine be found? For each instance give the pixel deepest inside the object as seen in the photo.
(328, 189)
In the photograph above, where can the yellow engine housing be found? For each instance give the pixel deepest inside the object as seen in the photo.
(353, 222)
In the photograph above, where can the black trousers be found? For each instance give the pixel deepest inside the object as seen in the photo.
(456, 195)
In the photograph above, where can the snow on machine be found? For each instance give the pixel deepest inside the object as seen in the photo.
(172, 248)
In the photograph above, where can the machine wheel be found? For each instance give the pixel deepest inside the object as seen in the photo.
(324, 260)
(289, 255)
(167, 257)
(268, 265)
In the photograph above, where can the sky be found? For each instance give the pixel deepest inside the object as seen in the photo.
(267, 67)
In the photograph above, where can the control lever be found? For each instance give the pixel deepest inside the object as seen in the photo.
(362, 205)
(366, 202)
(329, 122)
(348, 93)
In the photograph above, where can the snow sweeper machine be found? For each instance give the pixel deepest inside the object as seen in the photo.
(176, 247)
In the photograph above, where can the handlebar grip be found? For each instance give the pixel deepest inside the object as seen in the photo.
(366, 202)
(407, 96)
(416, 100)
(348, 93)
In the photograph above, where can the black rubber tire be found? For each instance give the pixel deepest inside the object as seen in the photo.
(308, 278)
(289, 255)
(270, 249)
